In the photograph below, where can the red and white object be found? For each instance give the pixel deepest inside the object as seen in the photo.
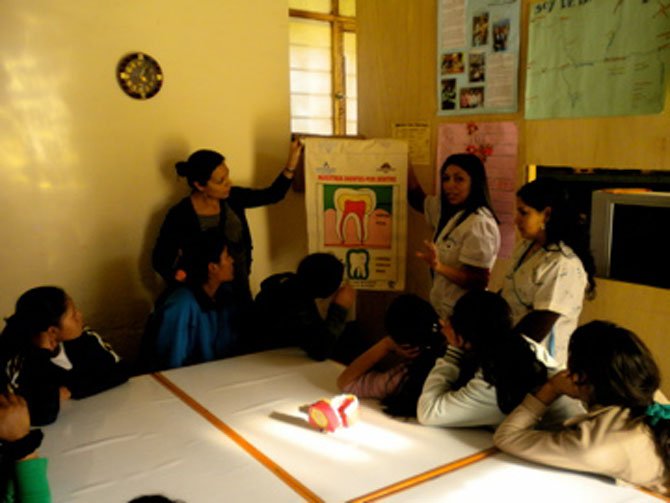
(329, 415)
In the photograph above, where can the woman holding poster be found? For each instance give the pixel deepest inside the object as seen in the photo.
(466, 239)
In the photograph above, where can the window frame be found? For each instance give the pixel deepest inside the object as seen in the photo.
(339, 25)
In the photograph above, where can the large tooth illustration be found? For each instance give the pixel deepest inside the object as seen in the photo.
(358, 264)
(355, 205)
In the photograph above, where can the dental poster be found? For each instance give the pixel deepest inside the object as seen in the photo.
(355, 195)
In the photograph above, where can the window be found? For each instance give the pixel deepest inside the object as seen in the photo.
(322, 42)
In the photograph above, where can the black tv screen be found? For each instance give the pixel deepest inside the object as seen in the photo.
(641, 245)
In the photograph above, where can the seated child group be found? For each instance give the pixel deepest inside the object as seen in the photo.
(515, 361)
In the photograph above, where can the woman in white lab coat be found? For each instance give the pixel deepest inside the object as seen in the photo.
(552, 267)
(466, 238)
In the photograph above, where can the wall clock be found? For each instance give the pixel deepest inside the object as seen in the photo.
(139, 75)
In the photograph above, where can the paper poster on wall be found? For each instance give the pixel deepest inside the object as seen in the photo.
(355, 196)
(417, 135)
(496, 143)
(478, 56)
(597, 58)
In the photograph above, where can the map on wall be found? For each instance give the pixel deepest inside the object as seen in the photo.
(355, 196)
(589, 58)
(478, 56)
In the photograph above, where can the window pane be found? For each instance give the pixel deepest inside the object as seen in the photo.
(311, 106)
(350, 51)
(348, 8)
(309, 32)
(310, 82)
(352, 109)
(350, 66)
(311, 69)
(309, 58)
(322, 6)
(352, 91)
(313, 126)
(351, 82)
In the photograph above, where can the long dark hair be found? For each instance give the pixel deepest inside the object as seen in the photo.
(411, 320)
(36, 310)
(479, 190)
(484, 320)
(621, 371)
(565, 223)
(199, 166)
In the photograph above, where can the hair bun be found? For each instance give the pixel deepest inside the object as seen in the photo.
(182, 168)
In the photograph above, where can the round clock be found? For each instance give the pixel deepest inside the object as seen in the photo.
(140, 76)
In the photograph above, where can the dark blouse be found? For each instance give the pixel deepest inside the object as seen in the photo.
(182, 224)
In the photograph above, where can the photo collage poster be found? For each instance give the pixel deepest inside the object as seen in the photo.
(497, 145)
(478, 56)
(356, 202)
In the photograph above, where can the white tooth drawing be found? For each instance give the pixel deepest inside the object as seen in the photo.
(357, 264)
(354, 205)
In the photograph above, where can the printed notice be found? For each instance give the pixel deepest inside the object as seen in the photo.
(417, 135)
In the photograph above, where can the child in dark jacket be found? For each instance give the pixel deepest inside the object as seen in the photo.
(286, 312)
(48, 356)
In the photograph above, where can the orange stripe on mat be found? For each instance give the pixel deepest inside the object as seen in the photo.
(237, 438)
(652, 493)
(425, 476)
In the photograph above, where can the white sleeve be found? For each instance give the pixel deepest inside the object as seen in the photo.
(471, 405)
(586, 446)
(561, 286)
(481, 243)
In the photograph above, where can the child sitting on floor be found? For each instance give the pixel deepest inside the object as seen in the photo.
(48, 355)
(413, 334)
(192, 323)
(625, 434)
(286, 312)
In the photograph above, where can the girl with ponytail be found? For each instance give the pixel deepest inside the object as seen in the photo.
(47, 355)
(487, 369)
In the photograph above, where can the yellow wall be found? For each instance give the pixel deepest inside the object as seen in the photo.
(397, 54)
(88, 173)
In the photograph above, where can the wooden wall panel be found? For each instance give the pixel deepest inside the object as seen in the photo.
(397, 79)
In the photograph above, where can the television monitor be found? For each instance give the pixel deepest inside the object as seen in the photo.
(630, 236)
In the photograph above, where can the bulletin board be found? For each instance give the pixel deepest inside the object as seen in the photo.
(478, 56)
